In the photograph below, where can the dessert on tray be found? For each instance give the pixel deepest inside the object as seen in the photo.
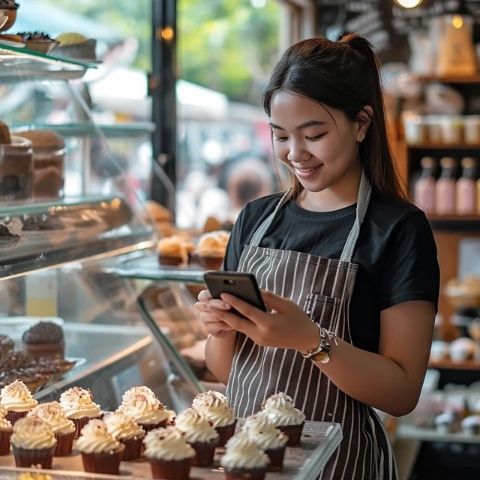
(126, 431)
(17, 400)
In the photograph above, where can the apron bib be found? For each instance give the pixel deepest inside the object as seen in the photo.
(323, 287)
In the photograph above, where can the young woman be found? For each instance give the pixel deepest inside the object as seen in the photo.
(348, 267)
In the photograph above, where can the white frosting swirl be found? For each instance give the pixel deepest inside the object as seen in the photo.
(5, 425)
(123, 427)
(95, 438)
(78, 403)
(214, 406)
(264, 433)
(32, 433)
(167, 444)
(54, 415)
(143, 406)
(16, 397)
(280, 410)
(242, 452)
(195, 426)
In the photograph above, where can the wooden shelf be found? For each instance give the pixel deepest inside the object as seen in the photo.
(451, 365)
(449, 79)
(455, 223)
(444, 146)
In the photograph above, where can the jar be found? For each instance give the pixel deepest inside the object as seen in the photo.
(471, 129)
(414, 128)
(16, 170)
(452, 129)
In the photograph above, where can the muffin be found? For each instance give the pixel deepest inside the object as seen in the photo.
(200, 434)
(169, 455)
(8, 10)
(44, 338)
(214, 406)
(33, 442)
(471, 425)
(280, 411)
(243, 459)
(79, 407)
(174, 250)
(145, 408)
(17, 400)
(124, 429)
(271, 440)
(211, 249)
(63, 428)
(445, 423)
(37, 41)
(101, 453)
(5, 433)
(75, 45)
(6, 344)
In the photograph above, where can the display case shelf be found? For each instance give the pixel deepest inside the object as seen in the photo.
(451, 365)
(444, 146)
(454, 79)
(455, 223)
(411, 432)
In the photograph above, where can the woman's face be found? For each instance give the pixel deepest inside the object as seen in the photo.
(318, 144)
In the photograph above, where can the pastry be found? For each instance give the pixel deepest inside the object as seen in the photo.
(5, 432)
(145, 408)
(270, 439)
(243, 459)
(38, 41)
(174, 250)
(211, 249)
(75, 45)
(6, 344)
(200, 434)
(17, 400)
(168, 453)
(8, 13)
(462, 349)
(471, 425)
(214, 406)
(439, 350)
(280, 411)
(445, 422)
(101, 453)
(33, 443)
(126, 431)
(44, 338)
(62, 427)
(157, 212)
(79, 407)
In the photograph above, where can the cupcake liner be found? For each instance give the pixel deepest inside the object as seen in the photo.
(133, 448)
(152, 426)
(210, 263)
(245, 473)
(276, 456)
(25, 458)
(12, 416)
(169, 261)
(204, 453)
(170, 469)
(293, 432)
(81, 422)
(108, 463)
(5, 442)
(225, 433)
(64, 444)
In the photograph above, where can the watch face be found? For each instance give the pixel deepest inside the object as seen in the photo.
(321, 357)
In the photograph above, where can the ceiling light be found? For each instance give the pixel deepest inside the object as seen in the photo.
(408, 3)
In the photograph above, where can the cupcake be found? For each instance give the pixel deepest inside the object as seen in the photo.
(445, 422)
(101, 453)
(169, 455)
(244, 459)
(211, 249)
(44, 338)
(145, 408)
(280, 411)
(79, 407)
(6, 344)
(200, 434)
(271, 440)
(33, 442)
(17, 400)
(214, 406)
(174, 250)
(5, 433)
(471, 425)
(124, 429)
(63, 428)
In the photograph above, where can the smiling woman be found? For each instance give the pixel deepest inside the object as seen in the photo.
(347, 266)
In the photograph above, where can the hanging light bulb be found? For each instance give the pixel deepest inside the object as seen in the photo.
(408, 3)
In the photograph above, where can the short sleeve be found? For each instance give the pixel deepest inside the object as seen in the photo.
(410, 269)
(234, 247)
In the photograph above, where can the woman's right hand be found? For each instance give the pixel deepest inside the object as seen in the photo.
(213, 325)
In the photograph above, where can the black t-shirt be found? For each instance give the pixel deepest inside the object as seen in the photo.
(395, 251)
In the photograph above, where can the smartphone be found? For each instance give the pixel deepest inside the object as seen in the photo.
(242, 285)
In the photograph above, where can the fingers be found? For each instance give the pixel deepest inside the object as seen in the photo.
(204, 296)
(244, 308)
(235, 321)
(273, 301)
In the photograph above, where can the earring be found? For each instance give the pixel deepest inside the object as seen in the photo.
(289, 156)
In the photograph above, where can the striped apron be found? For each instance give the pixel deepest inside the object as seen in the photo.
(323, 287)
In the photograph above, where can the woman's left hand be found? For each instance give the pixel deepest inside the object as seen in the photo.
(287, 326)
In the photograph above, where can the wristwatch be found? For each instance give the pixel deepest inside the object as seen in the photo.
(322, 352)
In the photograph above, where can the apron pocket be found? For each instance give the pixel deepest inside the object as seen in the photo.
(321, 309)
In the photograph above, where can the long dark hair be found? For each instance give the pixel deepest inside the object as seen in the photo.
(343, 75)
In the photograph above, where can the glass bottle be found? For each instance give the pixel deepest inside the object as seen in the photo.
(466, 191)
(424, 188)
(445, 187)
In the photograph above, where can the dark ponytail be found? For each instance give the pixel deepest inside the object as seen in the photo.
(343, 75)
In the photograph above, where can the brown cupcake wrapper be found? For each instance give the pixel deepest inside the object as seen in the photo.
(26, 458)
(170, 469)
(64, 444)
(245, 474)
(133, 448)
(210, 263)
(81, 422)
(12, 416)
(276, 456)
(5, 442)
(152, 426)
(169, 261)
(225, 433)
(204, 453)
(108, 463)
(293, 432)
